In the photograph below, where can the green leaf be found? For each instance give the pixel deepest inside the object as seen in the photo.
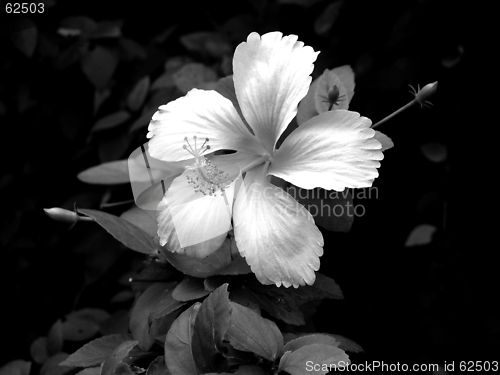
(79, 25)
(90, 371)
(278, 304)
(210, 327)
(158, 367)
(323, 356)
(55, 338)
(116, 358)
(128, 234)
(111, 173)
(166, 304)
(144, 219)
(204, 42)
(99, 65)
(250, 370)
(309, 339)
(327, 18)
(250, 332)
(23, 33)
(190, 288)
(178, 350)
(420, 235)
(346, 344)
(52, 365)
(38, 350)
(323, 287)
(113, 147)
(434, 151)
(96, 352)
(139, 317)
(16, 367)
(136, 97)
(83, 324)
(111, 121)
(123, 369)
(331, 210)
(194, 75)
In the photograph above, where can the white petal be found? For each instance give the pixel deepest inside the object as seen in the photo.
(275, 234)
(187, 218)
(191, 222)
(333, 150)
(384, 140)
(205, 114)
(271, 76)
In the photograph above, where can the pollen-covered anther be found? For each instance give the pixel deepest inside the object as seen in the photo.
(207, 178)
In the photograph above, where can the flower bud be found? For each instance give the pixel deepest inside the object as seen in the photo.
(426, 92)
(61, 214)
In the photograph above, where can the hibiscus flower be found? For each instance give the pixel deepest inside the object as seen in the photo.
(274, 233)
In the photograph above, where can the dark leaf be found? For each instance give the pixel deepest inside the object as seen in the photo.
(250, 332)
(309, 339)
(52, 365)
(111, 121)
(295, 363)
(83, 324)
(23, 33)
(113, 148)
(346, 344)
(250, 370)
(39, 351)
(128, 234)
(123, 369)
(99, 65)
(210, 327)
(244, 298)
(194, 75)
(178, 351)
(189, 288)
(158, 367)
(279, 305)
(139, 317)
(55, 338)
(144, 219)
(79, 25)
(331, 210)
(166, 304)
(136, 97)
(116, 358)
(16, 367)
(96, 352)
(420, 235)
(328, 17)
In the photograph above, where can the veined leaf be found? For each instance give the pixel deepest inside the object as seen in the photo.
(210, 327)
(128, 234)
(250, 332)
(179, 355)
(95, 352)
(325, 357)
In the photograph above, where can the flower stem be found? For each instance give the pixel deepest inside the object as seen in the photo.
(408, 105)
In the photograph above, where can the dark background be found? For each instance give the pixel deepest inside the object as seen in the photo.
(421, 304)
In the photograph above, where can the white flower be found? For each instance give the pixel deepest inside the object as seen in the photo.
(274, 233)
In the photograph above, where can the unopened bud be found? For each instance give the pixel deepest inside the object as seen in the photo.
(426, 92)
(61, 214)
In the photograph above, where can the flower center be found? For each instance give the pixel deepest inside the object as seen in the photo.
(207, 178)
(334, 97)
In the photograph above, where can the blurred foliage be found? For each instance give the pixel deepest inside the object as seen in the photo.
(79, 85)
